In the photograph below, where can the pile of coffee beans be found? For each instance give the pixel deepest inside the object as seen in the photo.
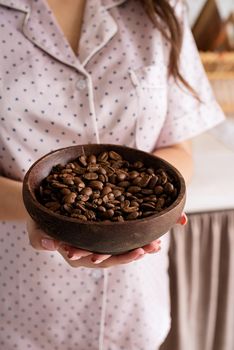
(107, 187)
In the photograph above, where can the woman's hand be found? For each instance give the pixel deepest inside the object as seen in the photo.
(79, 257)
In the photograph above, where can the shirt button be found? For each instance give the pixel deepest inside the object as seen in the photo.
(81, 84)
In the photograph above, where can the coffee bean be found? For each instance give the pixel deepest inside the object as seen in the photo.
(168, 188)
(90, 176)
(106, 190)
(102, 157)
(106, 187)
(134, 189)
(158, 189)
(87, 191)
(114, 155)
(147, 207)
(138, 164)
(96, 185)
(53, 205)
(92, 159)
(70, 198)
(132, 216)
(124, 184)
(83, 160)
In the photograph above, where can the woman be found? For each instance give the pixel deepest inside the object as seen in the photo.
(76, 72)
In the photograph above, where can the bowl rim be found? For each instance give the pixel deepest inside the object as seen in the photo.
(41, 207)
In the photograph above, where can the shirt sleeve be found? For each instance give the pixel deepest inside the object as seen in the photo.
(188, 116)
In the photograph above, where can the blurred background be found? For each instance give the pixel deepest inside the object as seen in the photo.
(201, 253)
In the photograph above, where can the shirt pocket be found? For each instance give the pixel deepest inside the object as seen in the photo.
(150, 84)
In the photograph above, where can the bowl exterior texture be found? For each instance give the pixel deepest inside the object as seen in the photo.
(101, 237)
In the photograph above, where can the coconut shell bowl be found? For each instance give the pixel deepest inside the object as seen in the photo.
(109, 211)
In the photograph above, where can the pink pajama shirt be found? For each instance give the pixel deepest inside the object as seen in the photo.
(116, 90)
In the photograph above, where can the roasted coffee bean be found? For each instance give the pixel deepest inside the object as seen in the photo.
(83, 160)
(102, 178)
(158, 189)
(124, 184)
(87, 191)
(79, 217)
(121, 175)
(108, 214)
(133, 174)
(102, 157)
(83, 197)
(90, 176)
(128, 209)
(79, 183)
(101, 208)
(107, 187)
(132, 216)
(114, 155)
(153, 181)
(68, 181)
(147, 207)
(168, 188)
(92, 159)
(117, 193)
(70, 198)
(65, 191)
(110, 206)
(138, 164)
(101, 171)
(67, 207)
(147, 191)
(81, 206)
(134, 189)
(106, 190)
(52, 205)
(92, 168)
(150, 171)
(79, 170)
(96, 185)
(137, 180)
(90, 215)
(105, 199)
(58, 185)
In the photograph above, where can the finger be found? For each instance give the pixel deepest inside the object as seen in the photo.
(74, 253)
(152, 247)
(183, 219)
(38, 239)
(127, 257)
(99, 258)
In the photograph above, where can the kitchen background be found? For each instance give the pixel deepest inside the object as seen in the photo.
(201, 254)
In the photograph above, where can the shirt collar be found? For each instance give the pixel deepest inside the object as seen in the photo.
(36, 21)
(24, 5)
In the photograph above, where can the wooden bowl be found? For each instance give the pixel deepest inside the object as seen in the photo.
(102, 237)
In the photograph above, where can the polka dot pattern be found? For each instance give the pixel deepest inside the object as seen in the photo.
(116, 90)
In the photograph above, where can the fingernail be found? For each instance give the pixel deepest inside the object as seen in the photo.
(73, 257)
(183, 220)
(48, 244)
(96, 261)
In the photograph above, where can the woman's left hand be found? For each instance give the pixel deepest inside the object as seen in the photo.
(79, 257)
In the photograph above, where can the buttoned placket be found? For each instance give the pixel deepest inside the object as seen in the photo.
(64, 54)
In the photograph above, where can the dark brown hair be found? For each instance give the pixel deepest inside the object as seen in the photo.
(163, 16)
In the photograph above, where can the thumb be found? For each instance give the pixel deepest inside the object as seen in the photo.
(38, 239)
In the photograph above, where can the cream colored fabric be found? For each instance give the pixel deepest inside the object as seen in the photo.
(202, 283)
